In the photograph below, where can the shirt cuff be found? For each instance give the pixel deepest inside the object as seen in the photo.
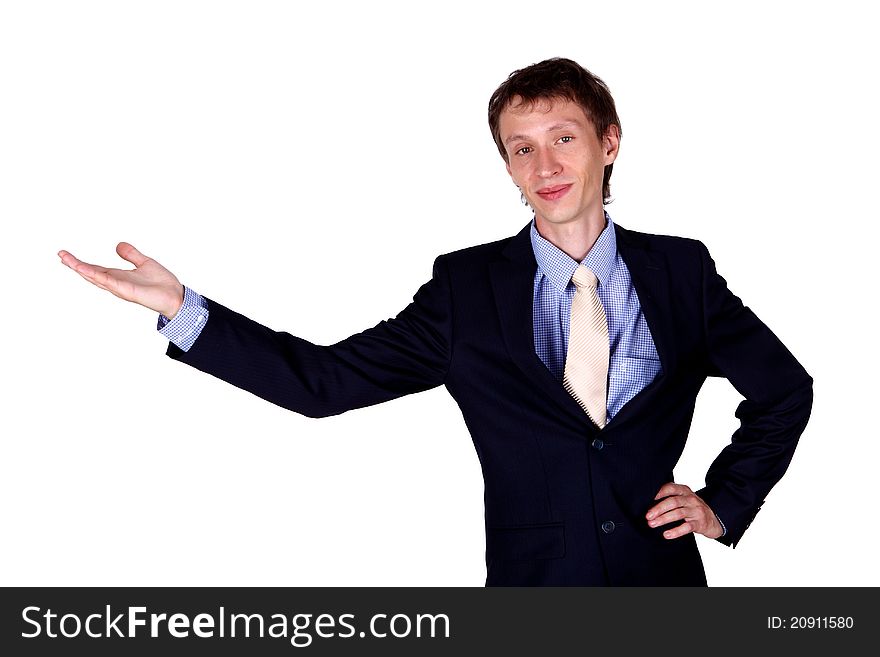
(722, 526)
(187, 323)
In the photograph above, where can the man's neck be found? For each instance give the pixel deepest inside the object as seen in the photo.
(574, 238)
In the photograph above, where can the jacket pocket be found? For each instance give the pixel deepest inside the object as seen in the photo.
(526, 542)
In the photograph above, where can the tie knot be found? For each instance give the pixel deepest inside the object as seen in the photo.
(584, 277)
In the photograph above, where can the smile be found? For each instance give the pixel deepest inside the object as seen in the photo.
(554, 192)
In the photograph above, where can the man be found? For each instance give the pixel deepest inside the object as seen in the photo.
(575, 350)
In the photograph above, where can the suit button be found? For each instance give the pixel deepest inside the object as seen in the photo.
(598, 444)
(607, 526)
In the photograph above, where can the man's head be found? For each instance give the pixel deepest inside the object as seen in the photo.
(535, 116)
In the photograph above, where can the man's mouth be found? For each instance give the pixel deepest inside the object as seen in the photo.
(554, 192)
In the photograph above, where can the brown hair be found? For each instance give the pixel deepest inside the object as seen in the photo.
(557, 78)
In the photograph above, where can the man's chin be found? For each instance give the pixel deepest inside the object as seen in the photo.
(556, 218)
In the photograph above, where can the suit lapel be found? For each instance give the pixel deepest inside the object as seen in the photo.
(513, 279)
(650, 278)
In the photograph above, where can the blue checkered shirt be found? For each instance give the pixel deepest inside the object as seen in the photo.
(633, 360)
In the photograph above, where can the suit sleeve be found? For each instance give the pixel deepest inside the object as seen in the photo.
(406, 354)
(778, 396)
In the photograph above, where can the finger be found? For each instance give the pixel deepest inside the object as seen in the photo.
(100, 276)
(69, 259)
(108, 280)
(670, 516)
(671, 502)
(671, 488)
(75, 263)
(94, 282)
(128, 252)
(681, 530)
(88, 271)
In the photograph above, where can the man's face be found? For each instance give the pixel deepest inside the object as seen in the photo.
(556, 159)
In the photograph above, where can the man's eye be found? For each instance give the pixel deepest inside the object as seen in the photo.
(566, 139)
(524, 150)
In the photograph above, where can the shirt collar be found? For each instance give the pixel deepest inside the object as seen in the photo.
(559, 267)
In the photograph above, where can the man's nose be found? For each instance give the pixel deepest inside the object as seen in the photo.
(547, 164)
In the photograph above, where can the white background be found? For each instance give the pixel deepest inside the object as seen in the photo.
(277, 154)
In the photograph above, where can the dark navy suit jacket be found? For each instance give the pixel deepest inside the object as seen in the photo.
(564, 501)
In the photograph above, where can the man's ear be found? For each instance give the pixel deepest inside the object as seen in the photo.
(611, 143)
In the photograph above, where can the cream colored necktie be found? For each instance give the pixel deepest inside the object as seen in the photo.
(586, 363)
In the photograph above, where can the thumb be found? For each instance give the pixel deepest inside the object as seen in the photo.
(128, 252)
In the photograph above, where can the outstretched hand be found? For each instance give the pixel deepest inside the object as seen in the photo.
(681, 503)
(148, 284)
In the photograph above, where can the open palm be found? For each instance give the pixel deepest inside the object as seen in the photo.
(148, 284)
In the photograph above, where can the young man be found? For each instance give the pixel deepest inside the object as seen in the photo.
(575, 350)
